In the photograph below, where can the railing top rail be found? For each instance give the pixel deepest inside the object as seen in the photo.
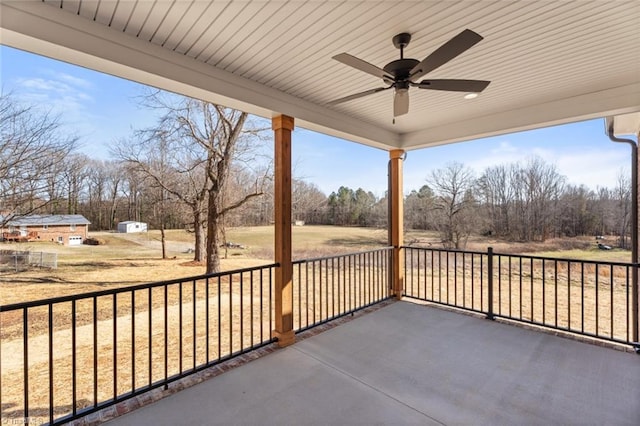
(445, 250)
(44, 302)
(315, 259)
(526, 256)
(566, 259)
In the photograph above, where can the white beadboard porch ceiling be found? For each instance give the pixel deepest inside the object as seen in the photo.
(550, 62)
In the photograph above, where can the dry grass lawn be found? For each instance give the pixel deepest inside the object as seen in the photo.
(128, 259)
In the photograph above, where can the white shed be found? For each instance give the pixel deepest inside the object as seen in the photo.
(131, 226)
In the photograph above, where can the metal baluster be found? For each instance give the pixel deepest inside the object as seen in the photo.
(51, 381)
(115, 346)
(180, 352)
(95, 352)
(25, 353)
(242, 311)
(490, 282)
(150, 334)
(597, 333)
(166, 336)
(133, 341)
(194, 322)
(219, 320)
(74, 360)
(207, 320)
(611, 300)
(569, 295)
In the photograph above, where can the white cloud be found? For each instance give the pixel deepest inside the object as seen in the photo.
(505, 153)
(62, 94)
(594, 168)
(72, 80)
(504, 147)
(36, 84)
(594, 163)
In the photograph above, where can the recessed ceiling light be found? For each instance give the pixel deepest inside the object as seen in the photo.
(471, 96)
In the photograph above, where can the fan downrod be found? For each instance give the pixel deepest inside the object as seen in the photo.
(400, 68)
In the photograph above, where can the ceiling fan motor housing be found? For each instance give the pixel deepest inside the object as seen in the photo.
(401, 68)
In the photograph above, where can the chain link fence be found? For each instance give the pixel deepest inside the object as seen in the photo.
(14, 260)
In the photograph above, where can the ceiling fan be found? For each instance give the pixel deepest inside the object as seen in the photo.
(406, 72)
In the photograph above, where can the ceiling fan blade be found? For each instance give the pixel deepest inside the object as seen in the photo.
(400, 103)
(357, 95)
(361, 65)
(474, 86)
(454, 47)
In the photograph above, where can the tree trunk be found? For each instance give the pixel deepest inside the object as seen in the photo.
(163, 240)
(199, 231)
(213, 245)
(112, 215)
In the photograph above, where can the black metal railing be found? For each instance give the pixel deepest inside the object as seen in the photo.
(590, 298)
(326, 288)
(66, 357)
(63, 358)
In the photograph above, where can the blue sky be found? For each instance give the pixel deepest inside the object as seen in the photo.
(101, 109)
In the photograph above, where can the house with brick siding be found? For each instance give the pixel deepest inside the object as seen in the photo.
(67, 229)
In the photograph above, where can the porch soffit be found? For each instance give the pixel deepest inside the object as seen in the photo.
(550, 62)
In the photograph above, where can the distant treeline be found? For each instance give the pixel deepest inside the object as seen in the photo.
(165, 176)
(519, 202)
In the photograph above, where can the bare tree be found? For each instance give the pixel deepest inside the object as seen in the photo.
(174, 165)
(454, 202)
(418, 210)
(605, 212)
(74, 172)
(538, 187)
(200, 143)
(31, 147)
(496, 192)
(622, 194)
(54, 191)
(115, 179)
(257, 211)
(219, 131)
(134, 189)
(577, 213)
(522, 202)
(309, 202)
(96, 187)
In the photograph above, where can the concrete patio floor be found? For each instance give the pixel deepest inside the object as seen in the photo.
(412, 364)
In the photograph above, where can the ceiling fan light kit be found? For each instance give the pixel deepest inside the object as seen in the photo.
(404, 73)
